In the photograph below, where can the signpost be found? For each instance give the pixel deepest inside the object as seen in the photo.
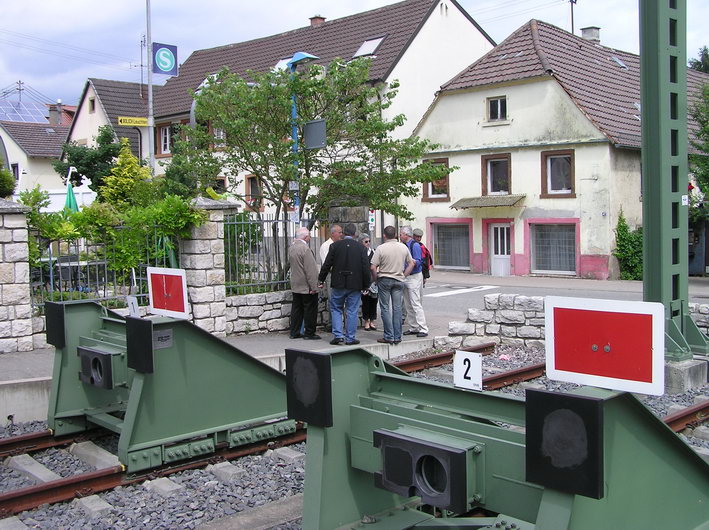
(132, 121)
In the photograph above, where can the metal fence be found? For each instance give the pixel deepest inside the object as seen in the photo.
(256, 252)
(105, 271)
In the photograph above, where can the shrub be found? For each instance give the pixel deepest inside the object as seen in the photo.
(629, 250)
(7, 182)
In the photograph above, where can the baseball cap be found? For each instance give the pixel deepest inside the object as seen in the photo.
(418, 232)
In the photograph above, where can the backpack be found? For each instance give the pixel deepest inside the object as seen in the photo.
(426, 261)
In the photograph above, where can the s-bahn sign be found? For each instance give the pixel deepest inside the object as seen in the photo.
(606, 343)
(164, 59)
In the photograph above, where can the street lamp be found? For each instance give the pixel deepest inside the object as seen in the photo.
(298, 58)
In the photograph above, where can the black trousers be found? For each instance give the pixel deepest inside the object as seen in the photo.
(304, 308)
(369, 307)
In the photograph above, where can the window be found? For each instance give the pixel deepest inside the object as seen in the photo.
(253, 193)
(554, 248)
(165, 139)
(436, 191)
(558, 174)
(368, 47)
(15, 171)
(92, 105)
(219, 138)
(496, 174)
(497, 108)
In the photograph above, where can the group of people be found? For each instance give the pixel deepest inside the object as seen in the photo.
(391, 276)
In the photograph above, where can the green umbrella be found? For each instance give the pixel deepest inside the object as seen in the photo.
(70, 203)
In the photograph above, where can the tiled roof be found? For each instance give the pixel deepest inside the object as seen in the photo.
(121, 98)
(603, 82)
(37, 139)
(341, 37)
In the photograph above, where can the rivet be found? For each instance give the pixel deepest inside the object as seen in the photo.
(607, 348)
(594, 347)
(477, 449)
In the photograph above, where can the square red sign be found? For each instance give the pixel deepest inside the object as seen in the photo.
(167, 290)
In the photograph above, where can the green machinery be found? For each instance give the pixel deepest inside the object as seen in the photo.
(386, 450)
(171, 390)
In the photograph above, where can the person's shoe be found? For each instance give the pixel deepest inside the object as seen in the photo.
(312, 337)
(385, 341)
(352, 343)
(296, 336)
(337, 340)
(395, 342)
(372, 328)
(422, 334)
(410, 332)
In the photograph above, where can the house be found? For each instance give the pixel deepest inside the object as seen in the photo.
(544, 132)
(103, 102)
(421, 43)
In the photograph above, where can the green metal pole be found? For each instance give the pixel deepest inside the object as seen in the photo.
(663, 60)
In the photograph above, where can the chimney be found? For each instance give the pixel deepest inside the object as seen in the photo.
(55, 117)
(316, 21)
(592, 33)
(60, 112)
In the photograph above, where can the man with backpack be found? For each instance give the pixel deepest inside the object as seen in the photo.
(415, 317)
(427, 260)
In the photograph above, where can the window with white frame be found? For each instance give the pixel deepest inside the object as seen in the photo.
(558, 173)
(15, 171)
(165, 139)
(497, 108)
(496, 174)
(553, 248)
(219, 138)
(437, 191)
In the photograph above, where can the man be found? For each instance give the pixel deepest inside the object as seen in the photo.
(335, 235)
(391, 264)
(427, 259)
(347, 259)
(304, 281)
(415, 318)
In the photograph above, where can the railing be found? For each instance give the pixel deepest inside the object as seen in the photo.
(256, 252)
(106, 271)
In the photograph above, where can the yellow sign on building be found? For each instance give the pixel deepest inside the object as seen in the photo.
(129, 121)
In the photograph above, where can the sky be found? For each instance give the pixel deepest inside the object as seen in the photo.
(54, 46)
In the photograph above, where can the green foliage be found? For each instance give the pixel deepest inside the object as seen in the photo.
(122, 187)
(702, 62)
(7, 181)
(699, 163)
(363, 164)
(94, 163)
(193, 168)
(629, 250)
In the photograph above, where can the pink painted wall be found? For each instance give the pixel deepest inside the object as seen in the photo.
(593, 266)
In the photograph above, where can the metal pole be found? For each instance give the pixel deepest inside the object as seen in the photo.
(294, 136)
(151, 120)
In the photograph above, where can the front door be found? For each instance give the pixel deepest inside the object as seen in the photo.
(500, 249)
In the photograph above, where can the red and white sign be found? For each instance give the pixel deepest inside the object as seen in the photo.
(167, 292)
(606, 343)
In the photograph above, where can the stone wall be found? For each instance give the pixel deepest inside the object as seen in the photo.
(261, 312)
(15, 308)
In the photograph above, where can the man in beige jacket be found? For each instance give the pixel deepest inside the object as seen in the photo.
(304, 284)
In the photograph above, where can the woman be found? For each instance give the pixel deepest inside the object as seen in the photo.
(369, 297)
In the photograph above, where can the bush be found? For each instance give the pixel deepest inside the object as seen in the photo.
(7, 182)
(629, 250)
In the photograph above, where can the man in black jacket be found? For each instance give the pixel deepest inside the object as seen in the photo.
(348, 265)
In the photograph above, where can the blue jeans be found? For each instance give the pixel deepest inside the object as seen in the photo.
(391, 299)
(345, 300)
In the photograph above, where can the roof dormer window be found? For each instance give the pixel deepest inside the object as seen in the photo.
(368, 47)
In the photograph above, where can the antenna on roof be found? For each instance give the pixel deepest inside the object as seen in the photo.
(572, 2)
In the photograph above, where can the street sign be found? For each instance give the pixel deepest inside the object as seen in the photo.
(167, 292)
(314, 134)
(132, 121)
(164, 59)
(468, 370)
(606, 343)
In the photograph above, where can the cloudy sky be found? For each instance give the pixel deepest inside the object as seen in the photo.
(53, 46)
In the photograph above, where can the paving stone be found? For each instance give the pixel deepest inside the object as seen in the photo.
(226, 471)
(288, 455)
(29, 467)
(94, 455)
(94, 506)
(12, 523)
(685, 375)
(163, 486)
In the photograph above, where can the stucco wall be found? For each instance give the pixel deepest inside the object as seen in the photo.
(33, 171)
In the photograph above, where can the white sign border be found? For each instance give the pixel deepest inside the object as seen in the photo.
(185, 315)
(476, 381)
(657, 312)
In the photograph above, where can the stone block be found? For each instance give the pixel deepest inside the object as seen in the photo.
(220, 325)
(226, 472)
(22, 327)
(447, 342)
(288, 455)
(202, 261)
(7, 272)
(14, 252)
(256, 299)
(229, 327)
(507, 301)
(162, 486)
(94, 506)
(238, 300)
(245, 326)
(219, 293)
(704, 309)
(286, 310)
(196, 246)
(5, 329)
(5, 313)
(11, 220)
(207, 231)
(278, 324)
(250, 311)
(528, 332)
(207, 324)
(216, 216)
(232, 313)
(19, 236)
(37, 324)
(529, 303)
(25, 343)
(217, 246)
(685, 375)
(201, 310)
(5, 236)
(535, 344)
(539, 322)
(461, 328)
(22, 272)
(196, 278)
(701, 432)
(94, 455)
(492, 329)
(30, 468)
(492, 301)
(12, 523)
(505, 316)
(201, 294)
(473, 341)
(216, 277)
(478, 315)
(39, 340)
(288, 296)
(217, 309)
(269, 315)
(508, 331)
(8, 345)
(275, 297)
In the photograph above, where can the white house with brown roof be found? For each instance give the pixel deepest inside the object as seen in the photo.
(545, 133)
(420, 43)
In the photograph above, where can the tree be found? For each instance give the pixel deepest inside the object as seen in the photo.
(363, 164)
(699, 163)
(7, 181)
(702, 63)
(126, 186)
(193, 167)
(94, 163)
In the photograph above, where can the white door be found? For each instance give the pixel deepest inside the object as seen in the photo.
(500, 250)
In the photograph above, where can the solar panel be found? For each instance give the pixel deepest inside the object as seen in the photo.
(25, 111)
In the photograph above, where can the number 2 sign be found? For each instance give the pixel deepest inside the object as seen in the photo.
(468, 370)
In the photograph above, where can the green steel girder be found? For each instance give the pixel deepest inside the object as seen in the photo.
(201, 391)
(651, 478)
